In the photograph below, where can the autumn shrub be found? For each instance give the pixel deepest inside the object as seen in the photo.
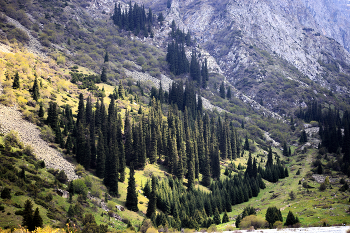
(253, 220)
(12, 139)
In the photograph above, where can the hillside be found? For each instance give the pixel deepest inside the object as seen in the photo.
(177, 116)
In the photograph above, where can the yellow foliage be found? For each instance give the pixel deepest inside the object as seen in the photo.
(8, 98)
(63, 84)
(22, 101)
(46, 229)
(152, 230)
(253, 220)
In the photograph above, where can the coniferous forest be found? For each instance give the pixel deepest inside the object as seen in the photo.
(136, 121)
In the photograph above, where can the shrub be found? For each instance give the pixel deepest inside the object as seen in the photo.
(253, 220)
(79, 186)
(322, 187)
(88, 181)
(62, 177)
(111, 205)
(2, 208)
(80, 170)
(12, 139)
(6, 193)
(47, 134)
(29, 151)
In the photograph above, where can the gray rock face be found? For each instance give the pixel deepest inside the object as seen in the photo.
(243, 35)
(265, 47)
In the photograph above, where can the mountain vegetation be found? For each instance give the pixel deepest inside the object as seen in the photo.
(152, 145)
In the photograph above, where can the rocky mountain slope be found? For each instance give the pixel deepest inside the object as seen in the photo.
(282, 52)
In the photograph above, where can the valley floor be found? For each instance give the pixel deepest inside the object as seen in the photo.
(339, 229)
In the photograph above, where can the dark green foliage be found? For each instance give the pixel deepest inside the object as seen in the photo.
(133, 19)
(176, 58)
(28, 215)
(217, 219)
(6, 193)
(222, 90)
(16, 84)
(52, 115)
(104, 75)
(101, 157)
(41, 111)
(225, 218)
(152, 204)
(303, 137)
(35, 89)
(238, 220)
(106, 58)
(291, 220)
(62, 177)
(131, 197)
(344, 187)
(272, 215)
(229, 94)
(37, 220)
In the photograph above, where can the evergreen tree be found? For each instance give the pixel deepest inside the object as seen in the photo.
(229, 94)
(104, 75)
(16, 84)
(37, 220)
(272, 215)
(101, 157)
(152, 204)
(303, 137)
(217, 219)
(122, 162)
(291, 220)
(35, 89)
(269, 161)
(225, 218)
(246, 143)
(222, 90)
(28, 215)
(131, 196)
(106, 59)
(238, 220)
(41, 111)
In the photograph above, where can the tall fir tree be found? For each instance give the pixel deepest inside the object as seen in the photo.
(131, 196)
(35, 89)
(152, 203)
(16, 83)
(101, 156)
(104, 75)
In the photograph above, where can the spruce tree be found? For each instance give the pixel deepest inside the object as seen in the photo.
(15, 84)
(222, 90)
(106, 58)
(272, 215)
(37, 220)
(104, 75)
(101, 157)
(41, 111)
(35, 90)
(122, 162)
(131, 196)
(217, 219)
(225, 218)
(28, 215)
(291, 220)
(152, 203)
(269, 161)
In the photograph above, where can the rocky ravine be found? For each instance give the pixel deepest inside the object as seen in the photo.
(11, 119)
